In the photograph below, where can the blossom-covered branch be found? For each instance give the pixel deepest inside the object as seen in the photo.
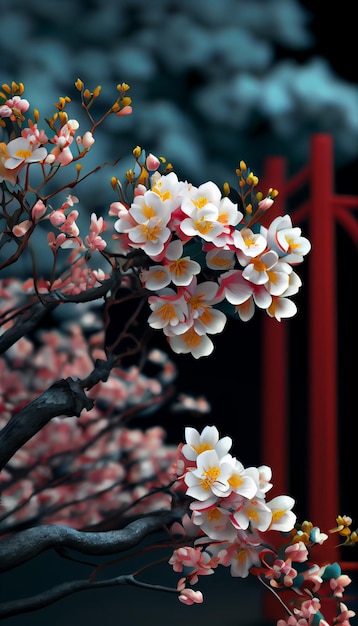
(165, 255)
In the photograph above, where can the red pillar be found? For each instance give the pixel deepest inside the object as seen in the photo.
(274, 405)
(322, 427)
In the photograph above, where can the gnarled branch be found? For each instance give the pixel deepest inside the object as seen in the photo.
(25, 545)
(65, 397)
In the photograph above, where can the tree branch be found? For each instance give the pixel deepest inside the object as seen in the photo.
(27, 544)
(41, 600)
(28, 317)
(65, 397)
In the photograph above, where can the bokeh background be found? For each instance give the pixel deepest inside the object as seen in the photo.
(212, 82)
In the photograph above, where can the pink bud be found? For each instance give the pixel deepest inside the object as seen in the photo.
(38, 210)
(265, 204)
(152, 162)
(21, 229)
(125, 111)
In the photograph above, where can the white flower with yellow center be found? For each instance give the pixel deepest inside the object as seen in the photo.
(168, 187)
(254, 513)
(210, 477)
(248, 244)
(215, 522)
(240, 481)
(22, 150)
(286, 240)
(189, 341)
(208, 215)
(208, 439)
(168, 309)
(181, 269)
(283, 519)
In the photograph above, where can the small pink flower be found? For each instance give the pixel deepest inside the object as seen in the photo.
(188, 596)
(69, 226)
(93, 241)
(17, 103)
(57, 218)
(55, 242)
(338, 584)
(297, 552)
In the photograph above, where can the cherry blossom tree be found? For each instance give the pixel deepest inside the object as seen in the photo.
(84, 301)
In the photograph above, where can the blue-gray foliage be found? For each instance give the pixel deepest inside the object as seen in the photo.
(207, 84)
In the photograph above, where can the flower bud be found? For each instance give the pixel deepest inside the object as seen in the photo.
(152, 162)
(38, 210)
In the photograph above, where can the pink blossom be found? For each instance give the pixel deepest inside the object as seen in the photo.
(34, 134)
(93, 241)
(16, 103)
(69, 226)
(62, 152)
(55, 242)
(297, 552)
(198, 561)
(338, 585)
(345, 614)
(189, 596)
(57, 218)
(265, 204)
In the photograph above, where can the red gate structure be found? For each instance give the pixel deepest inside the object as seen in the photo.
(322, 211)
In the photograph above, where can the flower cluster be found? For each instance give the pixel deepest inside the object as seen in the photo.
(231, 524)
(78, 473)
(199, 254)
(206, 255)
(29, 201)
(189, 255)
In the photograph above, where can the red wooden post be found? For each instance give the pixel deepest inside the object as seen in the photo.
(274, 406)
(322, 428)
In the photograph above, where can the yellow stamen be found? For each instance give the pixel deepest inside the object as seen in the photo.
(253, 514)
(203, 226)
(23, 154)
(200, 202)
(164, 195)
(150, 234)
(167, 312)
(148, 211)
(276, 515)
(191, 338)
(223, 218)
(235, 481)
(210, 476)
(214, 515)
(259, 265)
(202, 447)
